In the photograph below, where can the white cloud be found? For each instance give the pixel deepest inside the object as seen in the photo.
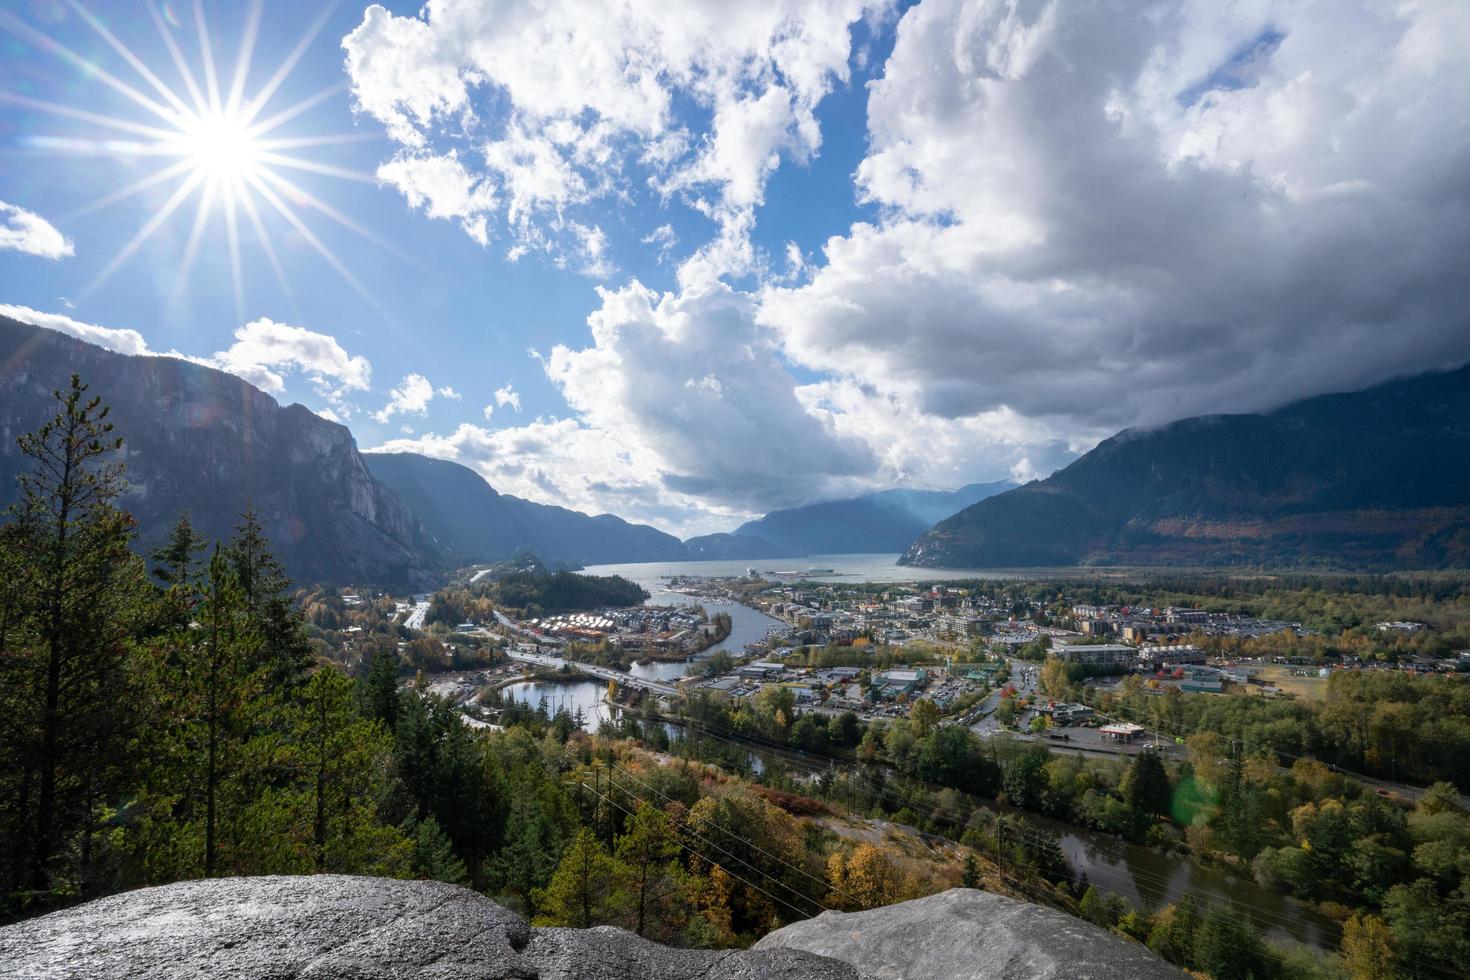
(563, 103)
(692, 380)
(264, 351)
(411, 396)
(506, 396)
(122, 340)
(664, 239)
(449, 393)
(1111, 214)
(28, 232)
(443, 188)
(567, 463)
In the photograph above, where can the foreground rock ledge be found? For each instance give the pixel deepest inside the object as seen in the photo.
(333, 926)
(963, 934)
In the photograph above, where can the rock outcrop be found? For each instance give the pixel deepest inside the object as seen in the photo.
(963, 934)
(334, 927)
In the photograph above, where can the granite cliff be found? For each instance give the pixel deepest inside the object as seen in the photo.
(205, 442)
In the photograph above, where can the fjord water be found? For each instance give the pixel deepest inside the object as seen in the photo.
(845, 568)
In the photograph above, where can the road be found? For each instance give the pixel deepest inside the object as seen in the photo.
(606, 673)
(1023, 677)
(415, 618)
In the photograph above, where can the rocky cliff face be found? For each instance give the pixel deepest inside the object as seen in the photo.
(207, 443)
(333, 926)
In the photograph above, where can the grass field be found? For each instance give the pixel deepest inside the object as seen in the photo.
(1311, 688)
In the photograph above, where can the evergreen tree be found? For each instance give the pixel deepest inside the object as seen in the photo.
(433, 854)
(1228, 947)
(648, 850)
(583, 891)
(970, 876)
(1174, 932)
(1146, 785)
(345, 760)
(75, 597)
(175, 562)
(378, 689)
(284, 648)
(225, 689)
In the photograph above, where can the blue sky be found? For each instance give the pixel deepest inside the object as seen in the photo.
(700, 261)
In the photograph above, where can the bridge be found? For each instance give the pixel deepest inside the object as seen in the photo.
(605, 673)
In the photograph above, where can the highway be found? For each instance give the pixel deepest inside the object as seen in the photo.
(415, 618)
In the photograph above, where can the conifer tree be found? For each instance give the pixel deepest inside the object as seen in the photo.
(284, 649)
(583, 891)
(76, 597)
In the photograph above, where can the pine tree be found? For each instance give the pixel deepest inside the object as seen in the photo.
(226, 687)
(433, 854)
(378, 689)
(1146, 785)
(970, 876)
(68, 721)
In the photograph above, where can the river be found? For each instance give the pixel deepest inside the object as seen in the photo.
(746, 626)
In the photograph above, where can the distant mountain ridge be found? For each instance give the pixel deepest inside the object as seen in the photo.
(876, 523)
(1373, 479)
(470, 522)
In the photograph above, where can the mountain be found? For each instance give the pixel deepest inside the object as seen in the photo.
(888, 520)
(1373, 479)
(206, 442)
(469, 522)
(732, 547)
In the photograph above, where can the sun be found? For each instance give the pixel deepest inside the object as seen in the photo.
(220, 146)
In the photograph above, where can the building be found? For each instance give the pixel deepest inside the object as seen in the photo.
(892, 683)
(760, 669)
(1122, 731)
(1171, 656)
(979, 627)
(1178, 614)
(1097, 654)
(1400, 627)
(1066, 713)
